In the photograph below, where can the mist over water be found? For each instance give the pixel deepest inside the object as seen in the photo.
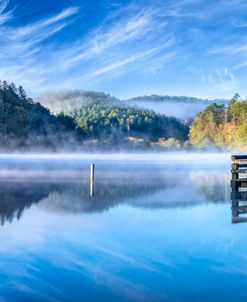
(156, 223)
(138, 180)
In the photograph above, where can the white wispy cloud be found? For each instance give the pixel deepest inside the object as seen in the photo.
(121, 42)
(21, 47)
(224, 73)
(140, 26)
(4, 16)
(235, 52)
(34, 29)
(222, 79)
(95, 73)
(133, 38)
(27, 36)
(220, 76)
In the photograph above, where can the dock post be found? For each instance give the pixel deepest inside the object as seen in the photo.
(92, 179)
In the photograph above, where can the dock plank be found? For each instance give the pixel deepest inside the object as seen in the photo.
(239, 157)
(238, 171)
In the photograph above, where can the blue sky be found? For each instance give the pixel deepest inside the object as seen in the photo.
(126, 48)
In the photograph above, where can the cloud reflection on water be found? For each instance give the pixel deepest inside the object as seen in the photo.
(147, 227)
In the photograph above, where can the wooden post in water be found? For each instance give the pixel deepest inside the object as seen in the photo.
(92, 179)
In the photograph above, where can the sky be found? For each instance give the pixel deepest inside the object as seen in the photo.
(126, 48)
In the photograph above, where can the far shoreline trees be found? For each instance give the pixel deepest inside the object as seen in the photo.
(221, 126)
(25, 123)
(93, 119)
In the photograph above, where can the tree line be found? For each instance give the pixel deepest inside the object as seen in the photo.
(100, 122)
(221, 126)
(26, 123)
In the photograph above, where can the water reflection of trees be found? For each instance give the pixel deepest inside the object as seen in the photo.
(16, 197)
(71, 197)
(146, 190)
(214, 185)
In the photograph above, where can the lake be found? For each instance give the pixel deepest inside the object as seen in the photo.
(158, 228)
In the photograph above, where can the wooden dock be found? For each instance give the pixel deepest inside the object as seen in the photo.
(239, 188)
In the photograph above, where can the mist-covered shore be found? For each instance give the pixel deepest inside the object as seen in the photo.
(174, 156)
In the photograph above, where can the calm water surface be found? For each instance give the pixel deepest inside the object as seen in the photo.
(159, 228)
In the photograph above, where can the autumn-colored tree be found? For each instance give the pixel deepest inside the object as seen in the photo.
(221, 126)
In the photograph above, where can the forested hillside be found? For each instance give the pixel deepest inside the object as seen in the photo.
(100, 122)
(221, 126)
(66, 101)
(101, 116)
(79, 117)
(82, 119)
(25, 123)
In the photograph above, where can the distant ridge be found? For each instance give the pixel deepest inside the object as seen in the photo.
(71, 98)
(174, 99)
(183, 107)
(76, 99)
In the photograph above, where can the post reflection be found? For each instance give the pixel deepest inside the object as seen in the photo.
(146, 189)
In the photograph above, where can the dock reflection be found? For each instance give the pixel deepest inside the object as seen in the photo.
(239, 188)
(239, 206)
